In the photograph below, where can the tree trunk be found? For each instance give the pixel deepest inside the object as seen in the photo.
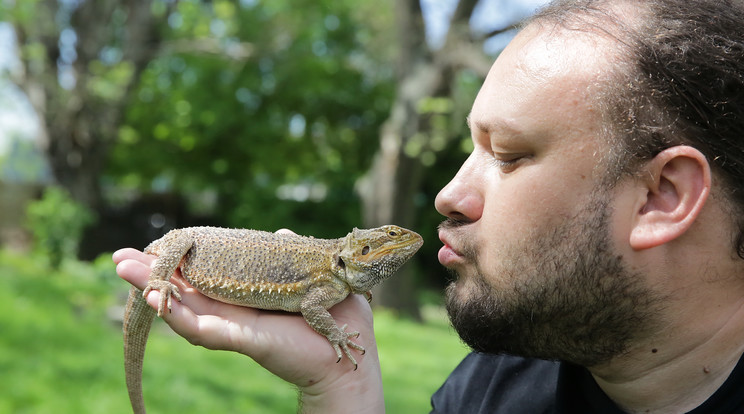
(79, 123)
(389, 189)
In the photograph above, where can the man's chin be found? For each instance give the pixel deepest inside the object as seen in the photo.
(462, 275)
(458, 290)
(464, 316)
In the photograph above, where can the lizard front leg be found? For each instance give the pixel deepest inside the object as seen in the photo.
(313, 308)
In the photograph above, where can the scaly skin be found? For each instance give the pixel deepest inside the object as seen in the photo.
(266, 271)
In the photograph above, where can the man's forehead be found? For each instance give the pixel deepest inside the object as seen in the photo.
(542, 51)
(544, 80)
(563, 59)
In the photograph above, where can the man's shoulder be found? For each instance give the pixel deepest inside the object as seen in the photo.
(498, 383)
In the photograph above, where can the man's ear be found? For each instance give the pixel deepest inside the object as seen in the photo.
(676, 186)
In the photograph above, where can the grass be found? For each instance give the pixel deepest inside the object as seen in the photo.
(61, 352)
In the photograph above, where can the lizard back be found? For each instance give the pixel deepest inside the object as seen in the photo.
(256, 268)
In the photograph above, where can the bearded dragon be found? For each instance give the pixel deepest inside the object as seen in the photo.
(267, 271)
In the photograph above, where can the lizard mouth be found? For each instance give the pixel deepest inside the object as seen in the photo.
(409, 247)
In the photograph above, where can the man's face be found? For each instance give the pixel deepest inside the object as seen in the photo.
(530, 232)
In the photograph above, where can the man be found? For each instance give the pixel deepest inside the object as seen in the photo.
(595, 230)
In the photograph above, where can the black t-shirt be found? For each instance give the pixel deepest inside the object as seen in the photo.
(497, 384)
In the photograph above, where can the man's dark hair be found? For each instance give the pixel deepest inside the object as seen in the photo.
(682, 82)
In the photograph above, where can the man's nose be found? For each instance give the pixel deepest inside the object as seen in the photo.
(462, 198)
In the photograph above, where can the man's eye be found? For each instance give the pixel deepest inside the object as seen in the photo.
(507, 164)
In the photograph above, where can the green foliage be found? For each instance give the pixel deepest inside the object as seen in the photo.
(109, 82)
(57, 223)
(272, 95)
(272, 100)
(61, 352)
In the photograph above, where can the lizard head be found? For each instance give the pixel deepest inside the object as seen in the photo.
(371, 256)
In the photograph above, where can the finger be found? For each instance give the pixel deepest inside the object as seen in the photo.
(208, 330)
(200, 304)
(217, 325)
(180, 317)
(196, 301)
(133, 254)
(134, 267)
(134, 272)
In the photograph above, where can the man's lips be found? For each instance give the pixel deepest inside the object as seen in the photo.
(448, 255)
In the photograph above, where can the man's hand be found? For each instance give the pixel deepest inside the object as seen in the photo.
(281, 342)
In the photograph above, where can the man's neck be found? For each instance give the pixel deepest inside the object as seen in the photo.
(681, 372)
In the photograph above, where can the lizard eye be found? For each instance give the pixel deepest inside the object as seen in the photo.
(392, 233)
(365, 250)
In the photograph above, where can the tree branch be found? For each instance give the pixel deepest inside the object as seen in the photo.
(497, 32)
(238, 51)
(464, 11)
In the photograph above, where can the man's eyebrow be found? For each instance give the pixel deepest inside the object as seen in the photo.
(491, 126)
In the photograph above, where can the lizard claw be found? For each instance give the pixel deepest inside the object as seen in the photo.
(167, 290)
(344, 343)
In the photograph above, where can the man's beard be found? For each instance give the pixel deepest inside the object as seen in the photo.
(566, 295)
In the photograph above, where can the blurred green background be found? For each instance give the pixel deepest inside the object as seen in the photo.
(122, 120)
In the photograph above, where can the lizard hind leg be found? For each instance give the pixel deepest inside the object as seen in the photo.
(167, 290)
(170, 250)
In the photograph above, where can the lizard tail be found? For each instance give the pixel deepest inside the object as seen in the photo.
(138, 318)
